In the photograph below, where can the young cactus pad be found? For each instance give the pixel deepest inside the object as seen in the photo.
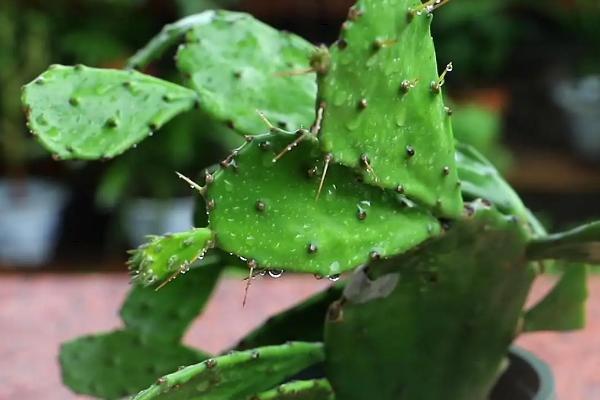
(170, 254)
(116, 364)
(384, 111)
(299, 390)
(240, 66)
(236, 376)
(434, 323)
(89, 113)
(268, 212)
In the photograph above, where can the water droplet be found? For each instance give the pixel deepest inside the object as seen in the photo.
(334, 278)
(275, 273)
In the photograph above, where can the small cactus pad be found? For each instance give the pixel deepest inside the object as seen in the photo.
(283, 327)
(299, 390)
(90, 113)
(169, 36)
(120, 363)
(563, 309)
(581, 244)
(236, 375)
(434, 323)
(382, 98)
(163, 256)
(166, 314)
(239, 66)
(268, 212)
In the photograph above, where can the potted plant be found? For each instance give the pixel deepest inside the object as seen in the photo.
(359, 174)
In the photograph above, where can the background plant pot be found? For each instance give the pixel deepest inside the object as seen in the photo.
(144, 216)
(30, 212)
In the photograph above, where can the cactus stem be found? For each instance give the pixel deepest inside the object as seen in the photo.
(328, 159)
(194, 185)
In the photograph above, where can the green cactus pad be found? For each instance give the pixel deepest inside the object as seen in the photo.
(380, 105)
(237, 375)
(166, 255)
(169, 36)
(166, 314)
(121, 363)
(299, 390)
(283, 327)
(90, 113)
(563, 309)
(268, 212)
(581, 244)
(456, 301)
(237, 64)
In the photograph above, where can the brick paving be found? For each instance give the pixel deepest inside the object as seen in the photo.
(39, 311)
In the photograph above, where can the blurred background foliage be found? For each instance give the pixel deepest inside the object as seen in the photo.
(524, 90)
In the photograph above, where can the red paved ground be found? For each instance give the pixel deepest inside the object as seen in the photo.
(39, 311)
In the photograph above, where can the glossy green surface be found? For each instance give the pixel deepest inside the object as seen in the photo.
(236, 376)
(116, 364)
(238, 65)
(299, 390)
(434, 323)
(380, 105)
(163, 256)
(166, 314)
(268, 212)
(90, 113)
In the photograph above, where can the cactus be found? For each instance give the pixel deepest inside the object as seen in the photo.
(254, 214)
(299, 390)
(382, 97)
(89, 113)
(236, 375)
(581, 244)
(239, 65)
(120, 363)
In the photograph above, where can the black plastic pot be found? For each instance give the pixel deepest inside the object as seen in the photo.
(527, 378)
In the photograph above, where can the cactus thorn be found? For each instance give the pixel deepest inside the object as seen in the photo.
(271, 127)
(192, 184)
(303, 135)
(328, 159)
(436, 86)
(427, 7)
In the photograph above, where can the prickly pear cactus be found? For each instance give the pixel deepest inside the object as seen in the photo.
(383, 107)
(268, 212)
(299, 390)
(89, 113)
(236, 375)
(439, 319)
(116, 364)
(170, 254)
(240, 66)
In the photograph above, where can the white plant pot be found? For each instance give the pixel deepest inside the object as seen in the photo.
(580, 99)
(30, 213)
(143, 217)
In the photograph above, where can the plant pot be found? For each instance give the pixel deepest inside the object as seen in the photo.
(30, 213)
(144, 216)
(580, 101)
(527, 378)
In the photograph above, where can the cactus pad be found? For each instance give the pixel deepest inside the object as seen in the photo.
(236, 375)
(267, 212)
(166, 314)
(563, 309)
(380, 105)
(120, 363)
(581, 244)
(299, 390)
(166, 255)
(238, 65)
(89, 113)
(456, 301)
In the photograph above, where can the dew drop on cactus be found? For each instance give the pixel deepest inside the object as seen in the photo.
(334, 278)
(275, 273)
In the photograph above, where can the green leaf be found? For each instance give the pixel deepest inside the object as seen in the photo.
(268, 212)
(163, 256)
(116, 364)
(563, 309)
(581, 244)
(165, 315)
(89, 113)
(238, 65)
(381, 113)
(236, 375)
(299, 390)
